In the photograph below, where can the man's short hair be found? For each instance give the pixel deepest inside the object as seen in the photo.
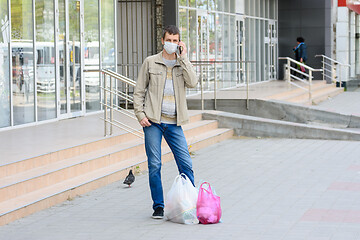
(171, 29)
(300, 39)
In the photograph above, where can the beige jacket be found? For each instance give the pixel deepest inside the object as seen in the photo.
(149, 90)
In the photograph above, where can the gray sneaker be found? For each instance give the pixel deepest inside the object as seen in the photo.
(158, 213)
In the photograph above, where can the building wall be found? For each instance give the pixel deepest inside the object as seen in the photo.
(309, 19)
(347, 44)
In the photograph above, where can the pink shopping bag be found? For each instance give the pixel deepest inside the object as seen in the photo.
(208, 208)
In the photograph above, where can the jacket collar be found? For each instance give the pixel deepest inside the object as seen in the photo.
(159, 59)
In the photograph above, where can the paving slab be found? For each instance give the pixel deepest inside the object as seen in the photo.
(346, 103)
(269, 189)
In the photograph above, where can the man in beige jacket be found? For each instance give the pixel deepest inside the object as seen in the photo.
(160, 106)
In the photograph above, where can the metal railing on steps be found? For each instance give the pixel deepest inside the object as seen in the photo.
(212, 73)
(301, 72)
(332, 69)
(109, 86)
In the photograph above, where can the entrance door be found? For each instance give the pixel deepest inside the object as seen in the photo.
(240, 43)
(69, 52)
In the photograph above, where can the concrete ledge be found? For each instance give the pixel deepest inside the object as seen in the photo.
(261, 127)
(278, 110)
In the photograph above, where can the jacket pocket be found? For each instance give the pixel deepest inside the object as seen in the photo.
(155, 77)
(179, 77)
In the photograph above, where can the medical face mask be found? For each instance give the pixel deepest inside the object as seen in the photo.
(170, 48)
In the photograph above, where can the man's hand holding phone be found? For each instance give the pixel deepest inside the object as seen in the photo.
(182, 48)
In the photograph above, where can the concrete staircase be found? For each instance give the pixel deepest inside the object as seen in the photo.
(320, 92)
(37, 183)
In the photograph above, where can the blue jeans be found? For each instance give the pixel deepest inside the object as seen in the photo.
(175, 138)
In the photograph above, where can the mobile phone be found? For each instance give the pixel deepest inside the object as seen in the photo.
(180, 49)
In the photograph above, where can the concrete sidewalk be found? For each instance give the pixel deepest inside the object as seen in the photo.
(346, 103)
(269, 188)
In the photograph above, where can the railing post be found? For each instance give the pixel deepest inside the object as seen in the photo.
(340, 73)
(247, 84)
(215, 83)
(310, 83)
(201, 87)
(111, 106)
(126, 86)
(288, 72)
(105, 107)
(324, 68)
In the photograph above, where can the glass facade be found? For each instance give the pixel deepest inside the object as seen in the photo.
(46, 48)
(231, 31)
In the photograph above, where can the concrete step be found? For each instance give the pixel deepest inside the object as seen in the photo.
(55, 172)
(318, 95)
(320, 92)
(296, 92)
(47, 158)
(251, 126)
(45, 197)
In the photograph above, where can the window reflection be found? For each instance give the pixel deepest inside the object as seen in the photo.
(45, 59)
(62, 57)
(107, 28)
(74, 55)
(22, 61)
(4, 66)
(91, 55)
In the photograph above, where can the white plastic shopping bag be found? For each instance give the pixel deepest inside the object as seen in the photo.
(180, 205)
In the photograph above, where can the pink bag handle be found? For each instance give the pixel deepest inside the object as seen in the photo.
(201, 187)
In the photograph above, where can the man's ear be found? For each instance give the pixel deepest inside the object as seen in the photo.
(162, 41)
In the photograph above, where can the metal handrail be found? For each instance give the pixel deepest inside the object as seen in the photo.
(109, 106)
(332, 60)
(309, 75)
(332, 66)
(214, 62)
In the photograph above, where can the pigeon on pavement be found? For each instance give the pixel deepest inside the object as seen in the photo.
(130, 178)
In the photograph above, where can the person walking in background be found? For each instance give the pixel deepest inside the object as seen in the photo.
(160, 106)
(300, 53)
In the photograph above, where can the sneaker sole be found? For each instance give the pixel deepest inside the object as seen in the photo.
(157, 217)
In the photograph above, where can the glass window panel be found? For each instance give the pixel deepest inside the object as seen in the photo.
(226, 49)
(219, 5)
(212, 42)
(192, 34)
(45, 59)
(232, 50)
(219, 48)
(62, 57)
(4, 66)
(212, 5)
(202, 4)
(232, 6)
(192, 3)
(22, 61)
(183, 3)
(74, 53)
(219, 36)
(226, 6)
(184, 19)
(107, 32)
(91, 55)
